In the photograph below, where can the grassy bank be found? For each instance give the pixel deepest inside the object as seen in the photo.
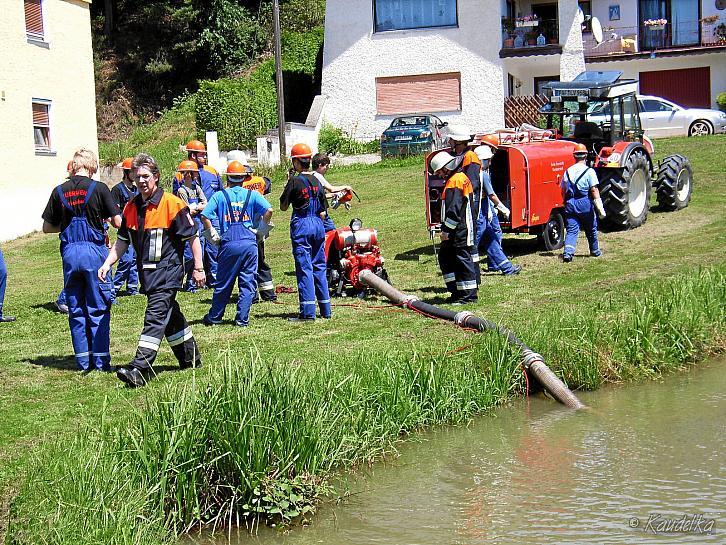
(644, 308)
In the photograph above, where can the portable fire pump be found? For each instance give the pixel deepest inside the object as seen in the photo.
(599, 110)
(348, 251)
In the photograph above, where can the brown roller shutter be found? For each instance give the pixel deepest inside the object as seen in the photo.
(419, 93)
(40, 115)
(33, 17)
(688, 87)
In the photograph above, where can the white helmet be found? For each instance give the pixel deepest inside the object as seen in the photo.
(441, 160)
(460, 133)
(237, 155)
(484, 153)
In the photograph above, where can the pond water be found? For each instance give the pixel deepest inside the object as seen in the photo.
(628, 470)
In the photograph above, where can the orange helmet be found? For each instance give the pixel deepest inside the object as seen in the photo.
(491, 139)
(580, 149)
(236, 168)
(301, 151)
(128, 163)
(195, 146)
(188, 166)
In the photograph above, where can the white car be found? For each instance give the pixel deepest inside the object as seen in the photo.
(661, 117)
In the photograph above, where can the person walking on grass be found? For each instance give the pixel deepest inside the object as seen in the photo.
(77, 209)
(158, 225)
(3, 283)
(582, 200)
(321, 164)
(242, 214)
(191, 193)
(309, 208)
(126, 271)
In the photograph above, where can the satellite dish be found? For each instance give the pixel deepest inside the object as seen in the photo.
(720, 4)
(580, 16)
(596, 29)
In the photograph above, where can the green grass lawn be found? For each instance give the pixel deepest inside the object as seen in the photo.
(43, 398)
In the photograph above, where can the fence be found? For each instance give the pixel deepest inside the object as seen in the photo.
(523, 109)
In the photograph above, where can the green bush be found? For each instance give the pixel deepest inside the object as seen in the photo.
(721, 101)
(333, 140)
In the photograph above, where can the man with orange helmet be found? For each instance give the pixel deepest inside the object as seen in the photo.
(309, 208)
(126, 270)
(582, 200)
(321, 163)
(191, 193)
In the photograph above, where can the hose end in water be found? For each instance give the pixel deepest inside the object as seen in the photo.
(530, 357)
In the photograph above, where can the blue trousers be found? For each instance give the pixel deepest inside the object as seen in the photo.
(497, 231)
(126, 271)
(210, 252)
(587, 221)
(89, 304)
(237, 260)
(491, 243)
(62, 299)
(308, 249)
(3, 280)
(328, 224)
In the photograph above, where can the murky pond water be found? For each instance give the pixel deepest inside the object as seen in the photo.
(644, 457)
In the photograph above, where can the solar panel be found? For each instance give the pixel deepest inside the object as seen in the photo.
(603, 78)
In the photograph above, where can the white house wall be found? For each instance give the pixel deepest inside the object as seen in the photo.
(354, 56)
(61, 72)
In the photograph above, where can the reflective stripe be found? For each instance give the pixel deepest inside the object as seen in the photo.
(468, 285)
(324, 301)
(450, 277)
(502, 263)
(122, 238)
(179, 334)
(570, 247)
(265, 286)
(82, 354)
(155, 242)
(469, 229)
(450, 223)
(188, 335)
(307, 302)
(475, 258)
(101, 353)
(148, 339)
(150, 346)
(149, 266)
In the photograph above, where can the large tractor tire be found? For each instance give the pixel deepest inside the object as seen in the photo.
(553, 232)
(625, 193)
(674, 184)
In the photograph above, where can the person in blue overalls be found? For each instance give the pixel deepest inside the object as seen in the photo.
(3, 283)
(582, 200)
(77, 209)
(241, 214)
(126, 270)
(309, 210)
(193, 196)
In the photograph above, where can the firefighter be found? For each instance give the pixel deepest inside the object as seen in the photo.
(158, 224)
(3, 282)
(211, 182)
(242, 215)
(191, 193)
(457, 229)
(582, 200)
(309, 209)
(490, 238)
(126, 271)
(77, 209)
(321, 164)
(263, 186)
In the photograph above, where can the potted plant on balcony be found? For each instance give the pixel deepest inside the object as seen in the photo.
(720, 33)
(531, 37)
(507, 32)
(655, 24)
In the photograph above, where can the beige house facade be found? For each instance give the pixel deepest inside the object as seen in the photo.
(47, 103)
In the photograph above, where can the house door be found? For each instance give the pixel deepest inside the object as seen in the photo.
(688, 87)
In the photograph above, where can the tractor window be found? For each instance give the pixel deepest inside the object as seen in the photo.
(617, 126)
(630, 116)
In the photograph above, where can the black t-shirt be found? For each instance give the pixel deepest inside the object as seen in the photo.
(120, 196)
(296, 192)
(100, 206)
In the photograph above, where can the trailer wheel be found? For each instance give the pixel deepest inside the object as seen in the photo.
(674, 184)
(625, 193)
(552, 236)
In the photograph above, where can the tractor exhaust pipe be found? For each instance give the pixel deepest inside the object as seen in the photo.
(531, 361)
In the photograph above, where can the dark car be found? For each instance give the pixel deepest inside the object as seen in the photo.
(411, 134)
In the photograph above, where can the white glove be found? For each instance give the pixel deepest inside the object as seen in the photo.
(504, 210)
(599, 208)
(211, 235)
(263, 229)
(193, 207)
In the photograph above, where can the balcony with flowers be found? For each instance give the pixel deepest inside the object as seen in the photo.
(529, 35)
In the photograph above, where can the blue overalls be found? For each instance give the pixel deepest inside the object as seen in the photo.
(308, 248)
(237, 260)
(83, 251)
(490, 240)
(188, 257)
(210, 185)
(579, 213)
(126, 270)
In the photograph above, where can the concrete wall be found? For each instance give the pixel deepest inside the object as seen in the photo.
(354, 56)
(61, 70)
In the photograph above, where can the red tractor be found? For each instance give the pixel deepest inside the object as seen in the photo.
(348, 251)
(599, 110)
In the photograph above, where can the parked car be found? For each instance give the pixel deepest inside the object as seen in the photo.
(412, 134)
(660, 117)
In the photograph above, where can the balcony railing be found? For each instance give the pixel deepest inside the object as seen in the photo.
(623, 39)
(527, 34)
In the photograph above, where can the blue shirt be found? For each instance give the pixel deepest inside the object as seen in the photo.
(586, 182)
(216, 208)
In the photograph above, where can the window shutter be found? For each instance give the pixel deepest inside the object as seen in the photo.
(34, 17)
(420, 93)
(40, 115)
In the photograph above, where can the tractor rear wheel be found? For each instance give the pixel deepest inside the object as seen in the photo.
(626, 193)
(674, 184)
(552, 236)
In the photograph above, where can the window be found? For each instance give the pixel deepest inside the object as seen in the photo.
(405, 14)
(682, 27)
(34, 20)
(41, 124)
(420, 93)
(656, 106)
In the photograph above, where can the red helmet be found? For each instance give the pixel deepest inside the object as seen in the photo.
(301, 151)
(580, 149)
(195, 146)
(491, 139)
(236, 168)
(128, 163)
(188, 166)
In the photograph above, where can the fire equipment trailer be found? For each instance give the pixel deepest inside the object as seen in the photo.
(528, 166)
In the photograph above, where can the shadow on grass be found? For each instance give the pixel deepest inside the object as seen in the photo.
(50, 307)
(64, 363)
(415, 254)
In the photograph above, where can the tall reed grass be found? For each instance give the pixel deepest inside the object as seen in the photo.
(257, 439)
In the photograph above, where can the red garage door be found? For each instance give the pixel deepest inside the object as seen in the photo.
(689, 87)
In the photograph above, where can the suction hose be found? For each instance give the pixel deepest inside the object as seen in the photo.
(532, 362)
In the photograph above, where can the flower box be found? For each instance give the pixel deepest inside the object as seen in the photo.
(655, 27)
(521, 24)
